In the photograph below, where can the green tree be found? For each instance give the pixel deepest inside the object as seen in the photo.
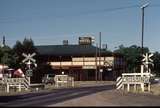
(156, 62)
(7, 56)
(132, 55)
(27, 46)
(18, 49)
(41, 70)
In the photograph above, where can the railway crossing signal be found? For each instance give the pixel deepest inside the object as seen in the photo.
(29, 57)
(29, 60)
(147, 59)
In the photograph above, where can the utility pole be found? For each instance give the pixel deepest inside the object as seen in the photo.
(60, 64)
(143, 7)
(96, 62)
(99, 56)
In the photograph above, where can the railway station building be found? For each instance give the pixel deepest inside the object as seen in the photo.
(83, 61)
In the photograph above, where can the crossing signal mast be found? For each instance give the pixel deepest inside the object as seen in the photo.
(146, 61)
(28, 61)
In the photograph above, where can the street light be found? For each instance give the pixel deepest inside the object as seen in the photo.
(143, 7)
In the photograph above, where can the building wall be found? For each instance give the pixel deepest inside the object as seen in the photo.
(85, 68)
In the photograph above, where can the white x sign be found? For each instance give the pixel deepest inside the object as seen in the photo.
(29, 57)
(147, 58)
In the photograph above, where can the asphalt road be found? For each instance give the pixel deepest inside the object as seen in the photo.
(101, 95)
(52, 97)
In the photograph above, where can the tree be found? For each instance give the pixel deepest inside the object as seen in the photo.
(41, 70)
(7, 56)
(27, 47)
(156, 62)
(19, 48)
(132, 55)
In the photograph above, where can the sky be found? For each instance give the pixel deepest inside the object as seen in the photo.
(49, 22)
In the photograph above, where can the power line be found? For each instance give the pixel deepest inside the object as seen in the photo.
(17, 19)
(14, 19)
(105, 10)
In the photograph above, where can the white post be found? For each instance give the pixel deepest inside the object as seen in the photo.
(149, 87)
(134, 87)
(72, 82)
(57, 82)
(19, 87)
(128, 87)
(135, 84)
(122, 86)
(7, 88)
(142, 84)
(142, 87)
(142, 70)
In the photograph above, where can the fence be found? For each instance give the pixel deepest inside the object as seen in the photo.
(133, 79)
(64, 80)
(15, 82)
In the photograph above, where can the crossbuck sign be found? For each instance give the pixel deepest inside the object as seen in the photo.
(29, 60)
(147, 59)
(29, 57)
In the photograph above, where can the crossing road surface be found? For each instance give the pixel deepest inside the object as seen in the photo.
(103, 95)
(52, 97)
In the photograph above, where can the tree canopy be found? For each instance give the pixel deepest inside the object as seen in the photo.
(7, 56)
(27, 46)
(132, 55)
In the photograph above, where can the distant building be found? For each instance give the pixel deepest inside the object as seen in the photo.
(82, 61)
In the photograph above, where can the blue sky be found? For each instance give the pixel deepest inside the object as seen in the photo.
(50, 22)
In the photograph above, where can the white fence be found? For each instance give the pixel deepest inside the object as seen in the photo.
(15, 82)
(133, 79)
(64, 80)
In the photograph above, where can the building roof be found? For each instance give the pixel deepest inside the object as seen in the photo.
(68, 50)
